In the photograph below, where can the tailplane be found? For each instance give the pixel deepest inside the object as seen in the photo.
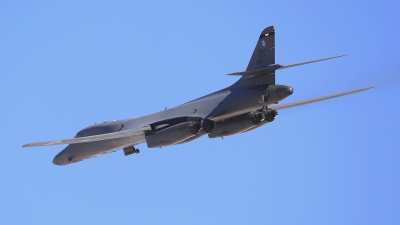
(262, 62)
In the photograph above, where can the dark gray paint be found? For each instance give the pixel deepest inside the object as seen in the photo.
(229, 108)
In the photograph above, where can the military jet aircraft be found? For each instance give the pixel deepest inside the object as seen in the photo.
(241, 107)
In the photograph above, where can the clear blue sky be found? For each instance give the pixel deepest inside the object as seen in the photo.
(69, 64)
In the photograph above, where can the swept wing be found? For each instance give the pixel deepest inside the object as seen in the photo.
(100, 137)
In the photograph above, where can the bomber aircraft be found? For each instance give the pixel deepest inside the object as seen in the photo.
(241, 107)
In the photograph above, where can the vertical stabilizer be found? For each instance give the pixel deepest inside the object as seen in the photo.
(264, 52)
(261, 68)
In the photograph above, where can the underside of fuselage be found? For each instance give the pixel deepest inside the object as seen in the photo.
(227, 103)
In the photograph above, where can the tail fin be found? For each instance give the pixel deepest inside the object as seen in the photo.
(262, 62)
(264, 52)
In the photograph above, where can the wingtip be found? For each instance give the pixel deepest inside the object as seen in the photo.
(343, 55)
(370, 87)
(27, 145)
(338, 56)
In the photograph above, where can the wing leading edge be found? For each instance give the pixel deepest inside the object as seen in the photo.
(100, 137)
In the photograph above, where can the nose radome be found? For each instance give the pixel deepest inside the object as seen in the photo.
(59, 160)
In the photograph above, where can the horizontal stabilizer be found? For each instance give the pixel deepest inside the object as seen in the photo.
(313, 61)
(268, 69)
(272, 67)
(290, 105)
(100, 137)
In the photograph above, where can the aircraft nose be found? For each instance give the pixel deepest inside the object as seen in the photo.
(59, 159)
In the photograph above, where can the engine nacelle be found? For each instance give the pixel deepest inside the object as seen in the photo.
(199, 135)
(237, 124)
(173, 134)
(208, 126)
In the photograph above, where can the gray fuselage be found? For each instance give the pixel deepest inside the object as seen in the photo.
(240, 98)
